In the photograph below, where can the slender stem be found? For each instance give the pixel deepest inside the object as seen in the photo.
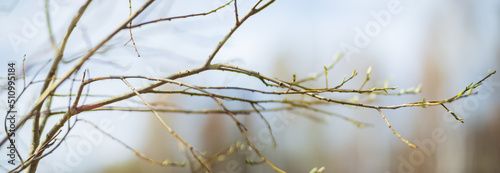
(168, 128)
(396, 133)
(250, 13)
(180, 17)
(236, 11)
(130, 29)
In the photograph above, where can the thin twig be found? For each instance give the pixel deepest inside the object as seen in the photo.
(368, 72)
(452, 113)
(170, 130)
(137, 153)
(394, 131)
(180, 17)
(130, 29)
(236, 11)
(267, 123)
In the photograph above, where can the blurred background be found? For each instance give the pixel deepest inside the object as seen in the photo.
(443, 45)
